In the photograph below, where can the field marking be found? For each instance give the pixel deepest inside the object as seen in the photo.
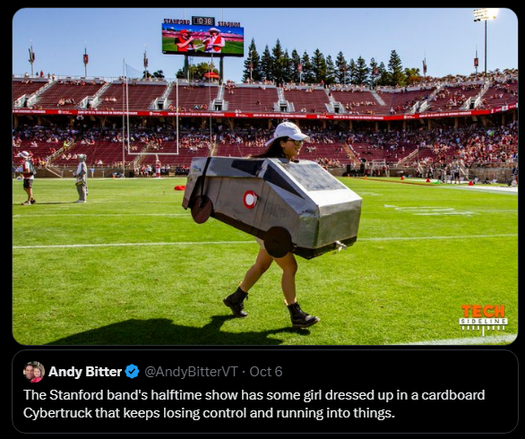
(430, 210)
(129, 244)
(141, 244)
(36, 215)
(490, 339)
(188, 215)
(493, 189)
(416, 238)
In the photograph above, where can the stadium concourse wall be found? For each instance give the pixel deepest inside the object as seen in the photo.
(501, 175)
(266, 115)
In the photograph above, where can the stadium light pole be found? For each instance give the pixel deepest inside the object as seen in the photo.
(85, 59)
(31, 58)
(485, 14)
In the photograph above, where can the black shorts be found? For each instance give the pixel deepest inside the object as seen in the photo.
(28, 183)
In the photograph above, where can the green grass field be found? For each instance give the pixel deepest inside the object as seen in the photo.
(131, 267)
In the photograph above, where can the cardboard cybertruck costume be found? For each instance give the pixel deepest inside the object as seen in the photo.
(291, 206)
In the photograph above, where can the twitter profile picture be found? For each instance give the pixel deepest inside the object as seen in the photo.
(34, 371)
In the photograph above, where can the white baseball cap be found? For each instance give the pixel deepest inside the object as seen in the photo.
(288, 129)
(24, 154)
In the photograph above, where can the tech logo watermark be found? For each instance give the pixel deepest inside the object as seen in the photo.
(483, 317)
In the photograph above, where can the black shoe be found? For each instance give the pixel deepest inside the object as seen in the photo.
(33, 201)
(235, 302)
(299, 318)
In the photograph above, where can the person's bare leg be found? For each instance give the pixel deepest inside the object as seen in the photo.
(289, 266)
(29, 192)
(299, 318)
(254, 273)
(235, 301)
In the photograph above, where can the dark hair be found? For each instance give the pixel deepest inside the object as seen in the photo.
(274, 150)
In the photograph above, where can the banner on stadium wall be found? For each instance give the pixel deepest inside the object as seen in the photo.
(269, 115)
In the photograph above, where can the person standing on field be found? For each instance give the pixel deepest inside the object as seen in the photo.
(28, 172)
(81, 179)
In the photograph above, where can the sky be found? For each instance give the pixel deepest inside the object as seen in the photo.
(447, 38)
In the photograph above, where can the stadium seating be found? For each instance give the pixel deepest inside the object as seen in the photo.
(357, 102)
(67, 94)
(184, 157)
(40, 150)
(402, 101)
(307, 100)
(141, 96)
(26, 87)
(100, 153)
(251, 99)
(501, 94)
(452, 98)
(192, 98)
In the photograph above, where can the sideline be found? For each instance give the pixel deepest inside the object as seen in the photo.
(486, 187)
(422, 182)
(490, 339)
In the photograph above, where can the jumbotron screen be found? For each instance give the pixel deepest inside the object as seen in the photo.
(182, 37)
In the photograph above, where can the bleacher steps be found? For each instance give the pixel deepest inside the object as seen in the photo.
(378, 98)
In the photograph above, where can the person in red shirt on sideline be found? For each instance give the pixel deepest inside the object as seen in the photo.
(28, 172)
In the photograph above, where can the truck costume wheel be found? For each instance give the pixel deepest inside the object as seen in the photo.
(201, 209)
(277, 242)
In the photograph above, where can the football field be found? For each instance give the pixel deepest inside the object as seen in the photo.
(131, 267)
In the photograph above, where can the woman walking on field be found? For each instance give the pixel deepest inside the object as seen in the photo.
(286, 143)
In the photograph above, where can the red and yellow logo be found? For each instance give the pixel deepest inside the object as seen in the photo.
(484, 317)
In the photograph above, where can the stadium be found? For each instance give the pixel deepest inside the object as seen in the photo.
(436, 164)
(355, 128)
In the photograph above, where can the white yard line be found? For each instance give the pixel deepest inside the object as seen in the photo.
(35, 215)
(129, 244)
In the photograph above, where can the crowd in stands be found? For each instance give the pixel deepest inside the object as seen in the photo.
(457, 97)
(194, 107)
(64, 101)
(451, 88)
(229, 88)
(424, 82)
(148, 170)
(429, 83)
(487, 147)
(474, 145)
